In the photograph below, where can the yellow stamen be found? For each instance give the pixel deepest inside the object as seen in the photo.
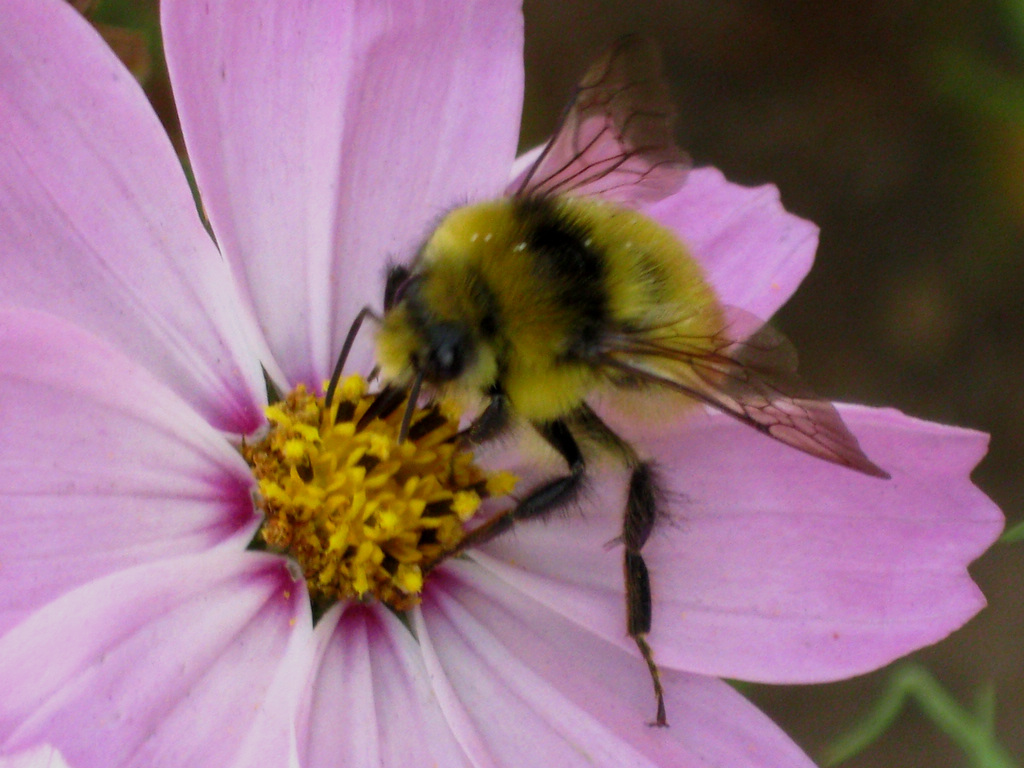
(362, 514)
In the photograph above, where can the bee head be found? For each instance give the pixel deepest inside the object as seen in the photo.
(429, 330)
(444, 347)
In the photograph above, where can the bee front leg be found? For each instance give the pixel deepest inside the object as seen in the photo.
(489, 423)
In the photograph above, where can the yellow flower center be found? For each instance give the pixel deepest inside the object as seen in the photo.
(364, 515)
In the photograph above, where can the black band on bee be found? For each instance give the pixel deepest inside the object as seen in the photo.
(563, 242)
(564, 250)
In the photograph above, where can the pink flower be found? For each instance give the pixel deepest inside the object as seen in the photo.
(138, 630)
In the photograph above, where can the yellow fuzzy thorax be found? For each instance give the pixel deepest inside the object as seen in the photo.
(648, 279)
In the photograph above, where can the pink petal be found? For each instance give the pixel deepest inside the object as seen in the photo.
(327, 136)
(101, 466)
(97, 223)
(537, 689)
(754, 252)
(36, 757)
(775, 566)
(167, 664)
(369, 702)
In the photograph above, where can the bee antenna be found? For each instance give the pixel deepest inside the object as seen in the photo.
(414, 395)
(345, 349)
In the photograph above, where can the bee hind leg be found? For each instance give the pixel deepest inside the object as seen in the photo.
(637, 524)
(642, 512)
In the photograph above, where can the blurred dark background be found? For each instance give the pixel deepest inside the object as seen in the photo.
(898, 127)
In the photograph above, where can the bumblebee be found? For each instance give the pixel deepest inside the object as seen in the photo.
(534, 304)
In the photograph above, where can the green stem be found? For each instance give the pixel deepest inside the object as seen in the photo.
(972, 732)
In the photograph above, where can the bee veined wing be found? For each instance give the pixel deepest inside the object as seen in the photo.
(750, 377)
(615, 138)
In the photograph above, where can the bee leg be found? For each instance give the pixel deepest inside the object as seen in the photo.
(637, 524)
(490, 423)
(542, 500)
(641, 513)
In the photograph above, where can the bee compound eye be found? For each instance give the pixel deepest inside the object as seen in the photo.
(397, 282)
(450, 351)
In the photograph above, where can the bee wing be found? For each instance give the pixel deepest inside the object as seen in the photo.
(752, 379)
(615, 139)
